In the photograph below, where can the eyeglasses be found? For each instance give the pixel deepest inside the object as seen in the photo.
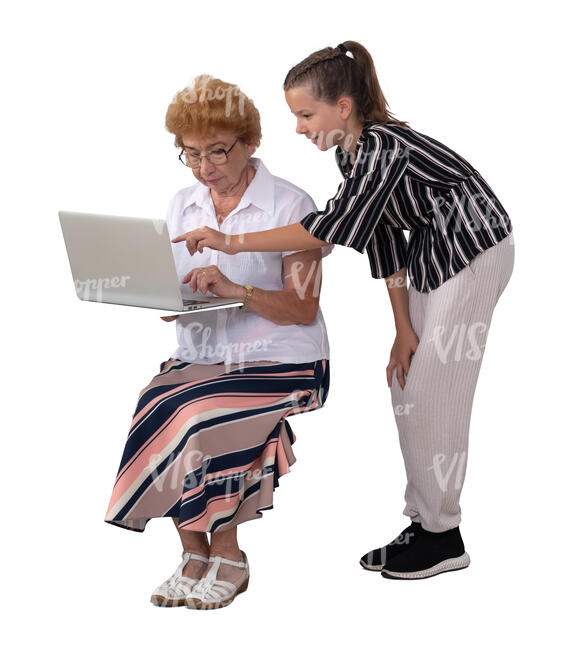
(215, 157)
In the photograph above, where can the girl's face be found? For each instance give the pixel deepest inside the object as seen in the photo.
(326, 125)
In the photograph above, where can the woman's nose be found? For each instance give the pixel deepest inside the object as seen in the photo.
(206, 166)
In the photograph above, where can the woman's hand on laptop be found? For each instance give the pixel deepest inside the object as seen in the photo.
(200, 238)
(210, 278)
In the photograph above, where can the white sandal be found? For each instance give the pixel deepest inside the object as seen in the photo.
(210, 593)
(173, 591)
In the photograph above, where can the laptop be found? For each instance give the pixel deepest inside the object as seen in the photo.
(129, 261)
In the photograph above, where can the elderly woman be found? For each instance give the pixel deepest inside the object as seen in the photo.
(209, 437)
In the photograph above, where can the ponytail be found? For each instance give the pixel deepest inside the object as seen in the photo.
(348, 70)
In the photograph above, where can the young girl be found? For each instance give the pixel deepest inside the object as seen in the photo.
(459, 256)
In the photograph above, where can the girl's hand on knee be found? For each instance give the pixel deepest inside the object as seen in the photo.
(405, 345)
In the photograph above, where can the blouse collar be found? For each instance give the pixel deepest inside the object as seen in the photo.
(260, 192)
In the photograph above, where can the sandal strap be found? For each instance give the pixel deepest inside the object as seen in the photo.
(211, 586)
(186, 557)
(224, 583)
(213, 558)
(181, 586)
(193, 556)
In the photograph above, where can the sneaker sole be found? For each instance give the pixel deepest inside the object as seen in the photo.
(452, 564)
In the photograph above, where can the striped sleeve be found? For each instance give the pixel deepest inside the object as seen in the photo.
(351, 216)
(386, 250)
(295, 213)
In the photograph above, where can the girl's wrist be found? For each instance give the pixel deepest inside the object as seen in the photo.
(234, 244)
(402, 327)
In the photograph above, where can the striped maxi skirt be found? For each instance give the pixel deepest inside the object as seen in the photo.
(208, 443)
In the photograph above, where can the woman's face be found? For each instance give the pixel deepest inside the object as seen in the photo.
(222, 177)
(324, 124)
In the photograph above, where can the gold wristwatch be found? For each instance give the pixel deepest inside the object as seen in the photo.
(249, 291)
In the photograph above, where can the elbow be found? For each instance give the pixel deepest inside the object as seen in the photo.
(310, 311)
(303, 311)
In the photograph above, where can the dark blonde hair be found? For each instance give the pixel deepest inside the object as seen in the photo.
(331, 73)
(210, 104)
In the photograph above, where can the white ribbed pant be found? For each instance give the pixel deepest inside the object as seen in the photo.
(434, 410)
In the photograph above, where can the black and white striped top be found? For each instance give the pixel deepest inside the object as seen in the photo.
(404, 180)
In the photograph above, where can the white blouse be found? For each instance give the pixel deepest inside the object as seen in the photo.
(233, 335)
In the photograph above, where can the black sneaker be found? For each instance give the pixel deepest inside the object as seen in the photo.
(433, 553)
(376, 559)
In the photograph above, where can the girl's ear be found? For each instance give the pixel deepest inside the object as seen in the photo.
(344, 105)
(250, 149)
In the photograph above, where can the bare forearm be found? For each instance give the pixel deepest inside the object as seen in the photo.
(282, 307)
(287, 238)
(398, 292)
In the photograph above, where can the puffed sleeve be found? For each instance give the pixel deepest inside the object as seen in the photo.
(351, 216)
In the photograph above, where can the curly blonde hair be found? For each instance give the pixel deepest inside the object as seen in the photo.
(210, 104)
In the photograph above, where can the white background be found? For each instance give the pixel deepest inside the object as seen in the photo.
(85, 91)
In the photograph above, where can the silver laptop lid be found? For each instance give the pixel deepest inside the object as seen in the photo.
(121, 260)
